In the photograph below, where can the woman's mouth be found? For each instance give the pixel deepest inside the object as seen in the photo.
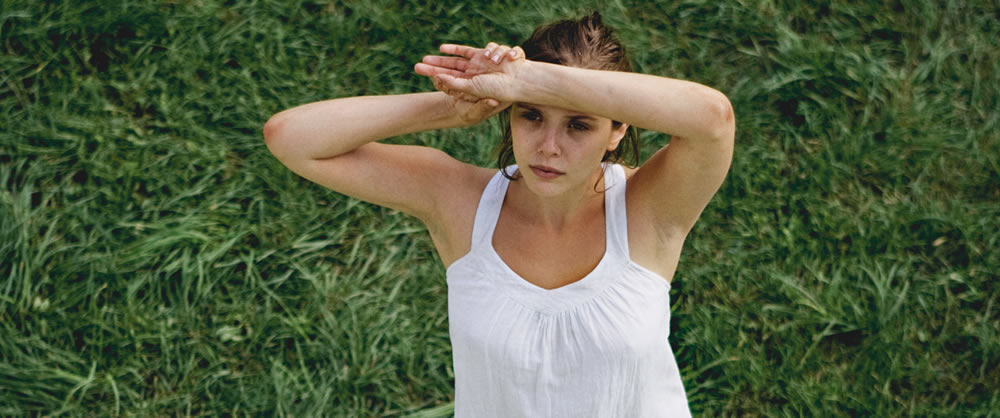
(546, 172)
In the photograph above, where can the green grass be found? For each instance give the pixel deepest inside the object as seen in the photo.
(155, 259)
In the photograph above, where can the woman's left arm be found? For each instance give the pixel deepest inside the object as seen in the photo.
(674, 185)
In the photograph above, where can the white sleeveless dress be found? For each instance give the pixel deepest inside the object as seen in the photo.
(594, 348)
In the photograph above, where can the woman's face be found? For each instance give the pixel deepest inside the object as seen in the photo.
(558, 150)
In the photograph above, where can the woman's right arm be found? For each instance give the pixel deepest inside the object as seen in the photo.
(332, 143)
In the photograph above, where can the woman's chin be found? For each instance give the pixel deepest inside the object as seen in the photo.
(544, 187)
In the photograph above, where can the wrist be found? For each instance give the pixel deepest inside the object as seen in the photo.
(444, 114)
(522, 86)
(532, 82)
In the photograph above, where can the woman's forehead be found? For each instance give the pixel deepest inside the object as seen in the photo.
(557, 111)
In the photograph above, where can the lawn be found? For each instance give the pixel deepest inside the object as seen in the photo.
(156, 259)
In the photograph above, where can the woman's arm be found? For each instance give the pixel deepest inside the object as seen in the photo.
(333, 127)
(673, 186)
(332, 143)
(676, 107)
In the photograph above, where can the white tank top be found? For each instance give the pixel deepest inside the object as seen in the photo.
(596, 347)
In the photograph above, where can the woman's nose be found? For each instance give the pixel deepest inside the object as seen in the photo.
(550, 143)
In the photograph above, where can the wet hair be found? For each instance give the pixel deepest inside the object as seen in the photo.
(583, 43)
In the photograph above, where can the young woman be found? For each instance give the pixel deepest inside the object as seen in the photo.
(558, 267)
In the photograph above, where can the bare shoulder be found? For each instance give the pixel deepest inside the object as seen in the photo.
(451, 224)
(667, 194)
(648, 246)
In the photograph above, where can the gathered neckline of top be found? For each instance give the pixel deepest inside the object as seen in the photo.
(506, 281)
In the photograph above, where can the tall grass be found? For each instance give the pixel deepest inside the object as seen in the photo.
(156, 260)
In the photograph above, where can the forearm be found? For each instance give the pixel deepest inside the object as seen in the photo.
(676, 107)
(333, 127)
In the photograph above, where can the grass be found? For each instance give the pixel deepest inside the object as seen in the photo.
(156, 260)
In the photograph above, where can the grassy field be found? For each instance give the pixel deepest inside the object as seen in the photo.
(155, 259)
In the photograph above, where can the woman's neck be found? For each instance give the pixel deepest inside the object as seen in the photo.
(554, 213)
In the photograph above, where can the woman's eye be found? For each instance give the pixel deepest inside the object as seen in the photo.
(531, 116)
(578, 126)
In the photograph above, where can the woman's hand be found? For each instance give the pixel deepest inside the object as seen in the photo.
(473, 110)
(475, 73)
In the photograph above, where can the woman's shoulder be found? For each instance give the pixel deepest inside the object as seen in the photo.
(478, 177)
(463, 186)
(451, 228)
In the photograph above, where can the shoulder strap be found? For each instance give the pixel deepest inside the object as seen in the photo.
(615, 213)
(489, 209)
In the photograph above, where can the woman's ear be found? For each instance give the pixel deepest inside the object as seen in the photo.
(617, 133)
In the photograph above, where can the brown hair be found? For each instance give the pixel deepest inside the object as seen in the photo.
(584, 43)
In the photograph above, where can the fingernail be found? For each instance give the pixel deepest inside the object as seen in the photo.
(487, 53)
(496, 58)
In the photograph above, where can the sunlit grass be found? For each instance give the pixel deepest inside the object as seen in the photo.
(155, 259)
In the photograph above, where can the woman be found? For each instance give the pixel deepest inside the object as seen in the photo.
(558, 267)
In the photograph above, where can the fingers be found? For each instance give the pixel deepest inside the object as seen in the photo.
(462, 50)
(431, 71)
(454, 63)
(432, 65)
(454, 86)
(493, 51)
(484, 105)
(440, 84)
(517, 53)
(488, 50)
(486, 108)
(497, 53)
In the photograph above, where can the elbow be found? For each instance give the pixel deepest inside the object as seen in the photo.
(724, 117)
(272, 129)
(272, 132)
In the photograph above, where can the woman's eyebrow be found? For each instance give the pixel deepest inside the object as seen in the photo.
(528, 107)
(577, 117)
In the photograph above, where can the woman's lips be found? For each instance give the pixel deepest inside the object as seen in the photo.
(546, 172)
